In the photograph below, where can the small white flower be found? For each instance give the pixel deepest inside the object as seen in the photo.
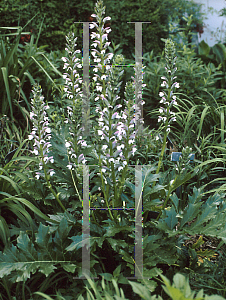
(106, 19)
(134, 150)
(177, 85)
(161, 94)
(84, 144)
(48, 130)
(99, 88)
(51, 173)
(69, 167)
(91, 26)
(120, 168)
(31, 115)
(35, 151)
(37, 176)
(67, 144)
(30, 137)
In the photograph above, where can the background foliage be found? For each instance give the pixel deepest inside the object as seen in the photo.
(40, 247)
(18, 12)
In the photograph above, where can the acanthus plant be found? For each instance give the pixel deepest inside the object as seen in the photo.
(115, 132)
(73, 96)
(168, 99)
(41, 135)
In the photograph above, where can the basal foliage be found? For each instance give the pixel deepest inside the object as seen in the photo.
(41, 250)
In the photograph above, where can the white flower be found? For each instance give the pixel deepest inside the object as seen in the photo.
(171, 182)
(51, 173)
(37, 176)
(30, 137)
(106, 19)
(134, 150)
(104, 147)
(67, 144)
(91, 26)
(99, 88)
(69, 167)
(177, 85)
(83, 144)
(35, 151)
(31, 115)
(48, 130)
(120, 168)
(161, 94)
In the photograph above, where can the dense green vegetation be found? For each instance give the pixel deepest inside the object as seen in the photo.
(45, 154)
